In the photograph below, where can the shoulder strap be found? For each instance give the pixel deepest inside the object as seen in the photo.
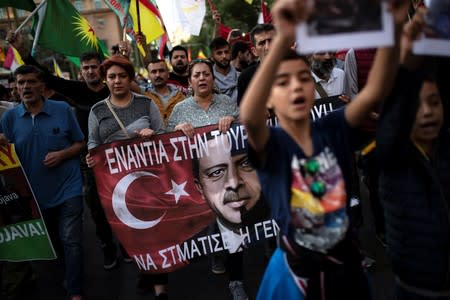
(320, 90)
(117, 118)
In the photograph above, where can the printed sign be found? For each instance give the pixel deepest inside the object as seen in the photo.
(23, 235)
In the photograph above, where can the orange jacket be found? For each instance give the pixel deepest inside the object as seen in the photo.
(165, 112)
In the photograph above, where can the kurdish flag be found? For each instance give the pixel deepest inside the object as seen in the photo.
(20, 4)
(62, 29)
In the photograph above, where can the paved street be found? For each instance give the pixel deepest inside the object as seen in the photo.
(195, 282)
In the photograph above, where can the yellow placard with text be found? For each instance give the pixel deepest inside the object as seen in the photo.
(8, 157)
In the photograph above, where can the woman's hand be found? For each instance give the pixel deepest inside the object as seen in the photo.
(90, 161)
(224, 123)
(187, 129)
(145, 133)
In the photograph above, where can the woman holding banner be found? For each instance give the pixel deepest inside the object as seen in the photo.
(204, 107)
(124, 115)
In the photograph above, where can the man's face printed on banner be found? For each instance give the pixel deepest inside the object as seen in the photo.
(227, 181)
(90, 71)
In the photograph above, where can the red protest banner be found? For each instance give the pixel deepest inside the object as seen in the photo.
(158, 194)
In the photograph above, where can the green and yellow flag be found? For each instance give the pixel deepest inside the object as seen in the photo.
(61, 28)
(20, 4)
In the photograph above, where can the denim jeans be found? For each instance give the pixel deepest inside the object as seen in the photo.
(64, 223)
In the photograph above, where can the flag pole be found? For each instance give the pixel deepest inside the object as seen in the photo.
(30, 16)
(138, 16)
(9, 18)
(124, 30)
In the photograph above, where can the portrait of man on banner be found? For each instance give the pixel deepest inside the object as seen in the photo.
(160, 195)
(230, 185)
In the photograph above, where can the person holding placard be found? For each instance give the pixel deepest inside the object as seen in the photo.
(308, 165)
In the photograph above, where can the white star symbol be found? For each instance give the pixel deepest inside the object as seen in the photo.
(177, 190)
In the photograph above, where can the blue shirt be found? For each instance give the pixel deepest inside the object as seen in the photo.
(310, 220)
(54, 128)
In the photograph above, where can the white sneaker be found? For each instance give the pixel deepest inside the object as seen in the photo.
(237, 290)
(354, 202)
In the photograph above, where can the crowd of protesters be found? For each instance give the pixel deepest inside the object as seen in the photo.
(393, 127)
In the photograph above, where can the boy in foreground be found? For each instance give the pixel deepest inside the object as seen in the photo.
(308, 166)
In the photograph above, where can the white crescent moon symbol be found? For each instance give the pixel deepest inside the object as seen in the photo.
(120, 207)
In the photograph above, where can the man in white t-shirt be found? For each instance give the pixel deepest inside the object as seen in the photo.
(329, 79)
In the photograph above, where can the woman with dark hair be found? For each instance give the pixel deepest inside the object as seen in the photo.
(123, 114)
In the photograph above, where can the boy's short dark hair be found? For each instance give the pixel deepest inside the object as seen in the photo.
(91, 55)
(29, 69)
(177, 48)
(237, 47)
(292, 55)
(218, 43)
(259, 29)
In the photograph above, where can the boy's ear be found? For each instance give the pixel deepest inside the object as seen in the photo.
(269, 104)
(253, 49)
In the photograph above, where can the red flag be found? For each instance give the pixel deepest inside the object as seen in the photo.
(151, 209)
(159, 195)
(265, 11)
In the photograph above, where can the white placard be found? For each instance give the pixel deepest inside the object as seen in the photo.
(436, 37)
(346, 24)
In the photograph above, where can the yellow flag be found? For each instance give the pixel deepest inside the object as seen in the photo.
(201, 54)
(150, 25)
(57, 69)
